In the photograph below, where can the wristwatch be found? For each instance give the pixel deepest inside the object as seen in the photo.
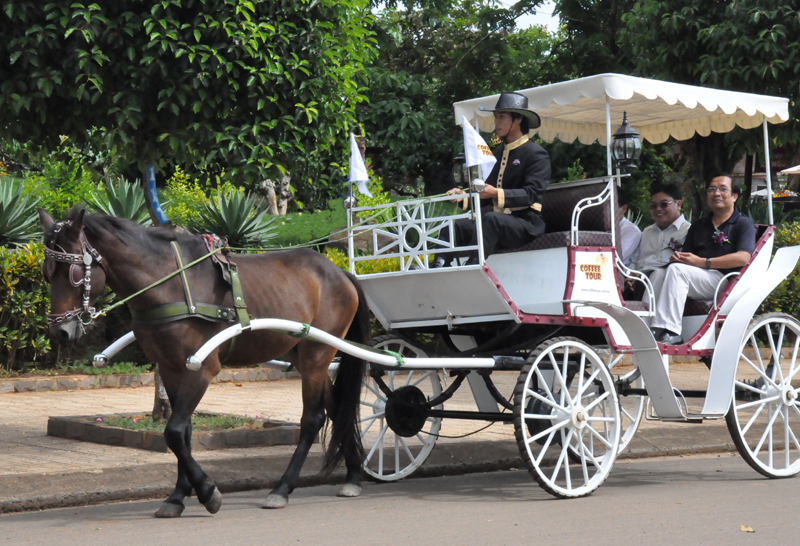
(708, 263)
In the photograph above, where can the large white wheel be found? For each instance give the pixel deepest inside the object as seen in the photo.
(764, 417)
(631, 407)
(565, 401)
(394, 453)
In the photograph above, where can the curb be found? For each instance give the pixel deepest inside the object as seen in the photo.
(82, 382)
(83, 488)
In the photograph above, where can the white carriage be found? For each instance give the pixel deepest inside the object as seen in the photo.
(553, 311)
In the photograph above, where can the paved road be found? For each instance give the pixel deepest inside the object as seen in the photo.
(693, 500)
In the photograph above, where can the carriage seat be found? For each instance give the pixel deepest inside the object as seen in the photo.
(557, 206)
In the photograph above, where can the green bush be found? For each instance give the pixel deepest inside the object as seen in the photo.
(19, 222)
(384, 265)
(122, 199)
(786, 297)
(232, 214)
(24, 302)
(185, 199)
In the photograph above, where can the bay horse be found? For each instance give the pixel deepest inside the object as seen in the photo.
(86, 252)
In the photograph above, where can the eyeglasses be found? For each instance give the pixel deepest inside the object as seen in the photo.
(722, 190)
(662, 205)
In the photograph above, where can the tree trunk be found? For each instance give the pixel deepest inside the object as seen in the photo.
(161, 406)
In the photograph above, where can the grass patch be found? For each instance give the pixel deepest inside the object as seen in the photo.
(118, 368)
(199, 422)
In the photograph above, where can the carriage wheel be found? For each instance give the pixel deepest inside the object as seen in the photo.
(631, 407)
(553, 416)
(764, 417)
(397, 439)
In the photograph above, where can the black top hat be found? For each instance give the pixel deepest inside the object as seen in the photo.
(516, 103)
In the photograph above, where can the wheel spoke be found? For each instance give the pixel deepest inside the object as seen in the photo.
(600, 399)
(590, 454)
(545, 447)
(628, 415)
(546, 401)
(583, 459)
(758, 351)
(791, 432)
(371, 419)
(562, 457)
(792, 369)
(581, 367)
(750, 388)
(425, 376)
(408, 379)
(767, 432)
(379, 441)
(372, 405)
(753, 418)
(554, 427)
(376, 391)
(591, 379)
(405, 448)
(396, 454)
(786, 444)
(600, 437)
(762, 401)
(760, 372)
(776, 352)
(601, 419)
(543, 383)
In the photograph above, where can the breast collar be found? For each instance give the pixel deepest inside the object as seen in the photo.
(87, 256)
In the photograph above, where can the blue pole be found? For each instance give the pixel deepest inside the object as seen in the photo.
(152, 195)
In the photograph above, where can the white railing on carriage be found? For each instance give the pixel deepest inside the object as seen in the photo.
(594, 201)
(411, 232)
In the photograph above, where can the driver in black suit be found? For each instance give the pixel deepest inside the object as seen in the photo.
(512, 200)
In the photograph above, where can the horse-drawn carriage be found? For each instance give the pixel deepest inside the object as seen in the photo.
(553, 312)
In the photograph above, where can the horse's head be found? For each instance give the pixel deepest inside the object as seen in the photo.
(75, 272)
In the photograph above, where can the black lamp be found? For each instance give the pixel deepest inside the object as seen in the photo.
(462, 175)
(626, 147)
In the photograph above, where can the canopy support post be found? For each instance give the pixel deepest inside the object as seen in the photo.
(613, 194)
(769, 175)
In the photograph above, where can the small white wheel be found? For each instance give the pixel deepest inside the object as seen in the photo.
(393, 454)
(565, 401)
(764, 417)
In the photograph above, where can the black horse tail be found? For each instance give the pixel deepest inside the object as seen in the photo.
(345, 438)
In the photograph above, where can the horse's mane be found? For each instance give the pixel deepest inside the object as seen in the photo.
(101, 226)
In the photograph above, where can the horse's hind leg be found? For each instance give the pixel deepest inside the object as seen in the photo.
(185, 394)
(314, 383)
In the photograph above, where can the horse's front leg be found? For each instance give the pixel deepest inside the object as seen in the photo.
(178, 434)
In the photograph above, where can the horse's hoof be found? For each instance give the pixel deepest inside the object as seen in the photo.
(214, 503)
(275, 501)
(349, 490)
(170, 510)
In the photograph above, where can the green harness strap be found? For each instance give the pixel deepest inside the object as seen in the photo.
(180, 310)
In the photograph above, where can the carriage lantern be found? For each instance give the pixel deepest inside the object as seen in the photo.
(626, 147)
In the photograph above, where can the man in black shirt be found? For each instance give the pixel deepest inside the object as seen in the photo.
(511, 216)
(721, 242)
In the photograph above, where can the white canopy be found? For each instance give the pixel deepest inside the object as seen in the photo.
(792, 170)
(576, 109)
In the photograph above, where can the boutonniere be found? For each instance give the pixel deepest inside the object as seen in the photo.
(719, 237)
(673, 245)
(515, 162)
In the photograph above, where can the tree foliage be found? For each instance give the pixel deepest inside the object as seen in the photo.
(254, 88)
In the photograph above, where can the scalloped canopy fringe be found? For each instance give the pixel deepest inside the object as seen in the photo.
(576, 109)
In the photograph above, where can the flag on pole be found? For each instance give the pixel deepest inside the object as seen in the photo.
(476, 152)
(358, 170)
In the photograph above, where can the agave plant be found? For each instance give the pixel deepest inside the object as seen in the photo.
(19, 222)
(233, 215)
(123, 199)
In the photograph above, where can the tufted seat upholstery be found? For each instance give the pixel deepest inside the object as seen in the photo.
(557, 206)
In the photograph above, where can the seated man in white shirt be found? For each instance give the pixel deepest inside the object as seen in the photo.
(659, 240)
(630, 234)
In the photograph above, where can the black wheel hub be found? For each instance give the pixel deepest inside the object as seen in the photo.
(405, 411)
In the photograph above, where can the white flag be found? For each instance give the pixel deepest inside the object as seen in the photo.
(358, 171)
(476, 151)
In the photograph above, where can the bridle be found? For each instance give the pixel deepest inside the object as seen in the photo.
(76, 276)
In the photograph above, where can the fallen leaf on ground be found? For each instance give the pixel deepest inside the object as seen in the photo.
(747, 529)
(238, 384)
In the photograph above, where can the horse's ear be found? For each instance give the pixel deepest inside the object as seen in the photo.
(77, 222)
(45, 218)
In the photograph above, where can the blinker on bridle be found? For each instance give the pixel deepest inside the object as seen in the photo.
(85, 259)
